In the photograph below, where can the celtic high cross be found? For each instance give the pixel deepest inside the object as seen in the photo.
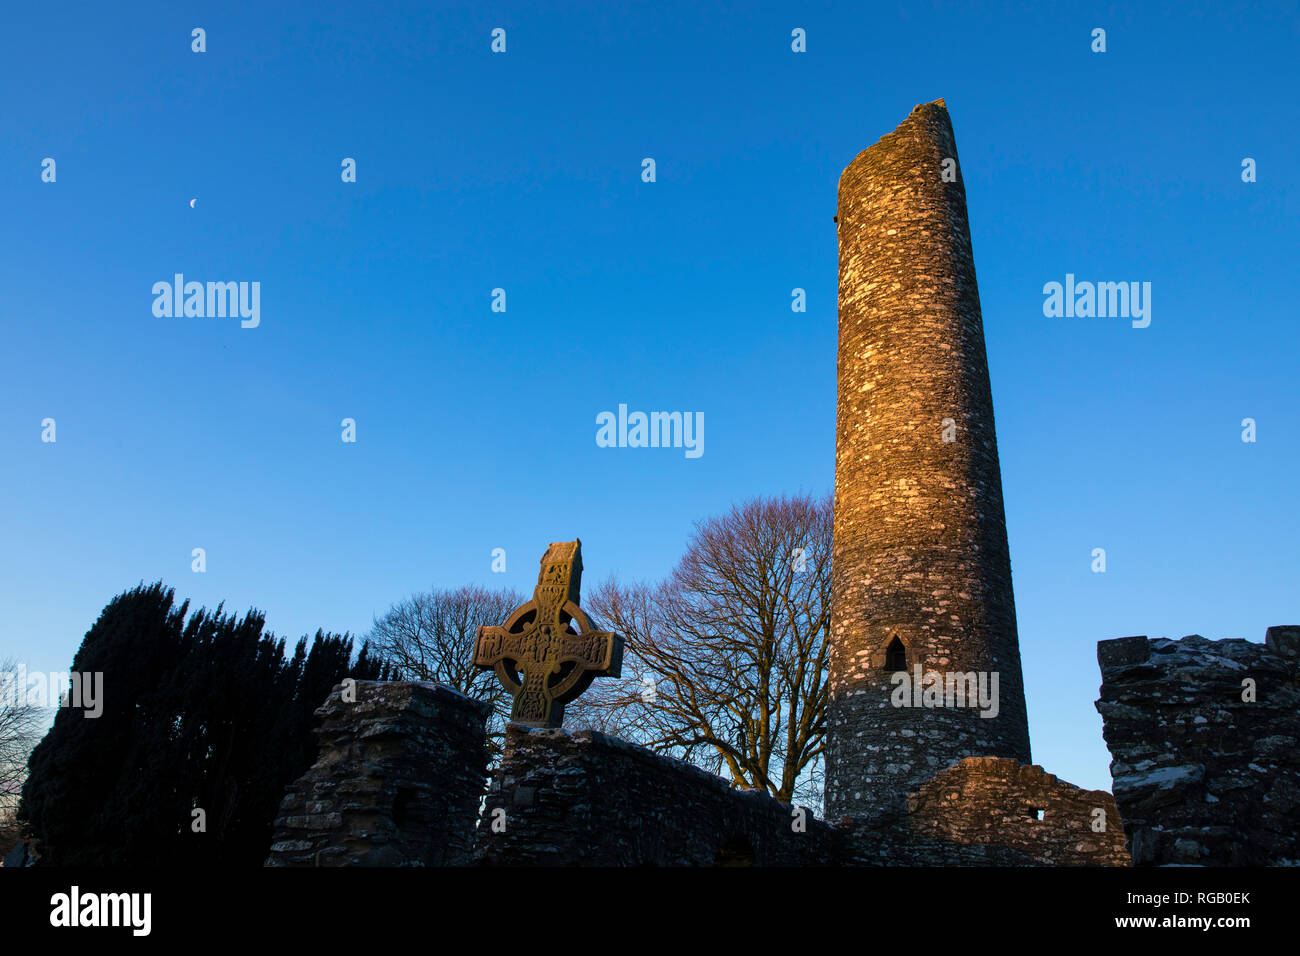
(548, 651)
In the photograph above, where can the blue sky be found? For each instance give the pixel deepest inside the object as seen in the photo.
(476, 429)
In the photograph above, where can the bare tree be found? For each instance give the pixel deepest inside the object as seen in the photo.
(431, 637)
(725, 662)
(22, 725)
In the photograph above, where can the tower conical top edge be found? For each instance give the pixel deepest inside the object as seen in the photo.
(910, 121)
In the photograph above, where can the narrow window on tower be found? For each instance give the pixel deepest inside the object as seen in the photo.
(896, 656)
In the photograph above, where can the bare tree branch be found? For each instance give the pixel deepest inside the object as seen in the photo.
(430, 637)
(22, 724)
(725, 662)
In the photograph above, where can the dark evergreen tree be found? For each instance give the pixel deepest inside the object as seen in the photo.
(204, 724)
(82, 762)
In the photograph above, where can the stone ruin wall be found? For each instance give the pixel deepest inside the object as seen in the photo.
(1019, 813)
(397, 782)
(583, 798)
(1201, 775)
(402, 771)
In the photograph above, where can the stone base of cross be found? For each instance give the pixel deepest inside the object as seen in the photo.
(548, 651)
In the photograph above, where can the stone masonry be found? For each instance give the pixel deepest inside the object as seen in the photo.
(400, 774)
(398, 781)
(1001, 802)
(992, 811)
(587, 799)
(920, 543)
(1203, 773)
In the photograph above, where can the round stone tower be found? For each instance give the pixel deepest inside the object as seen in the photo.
(921, 573)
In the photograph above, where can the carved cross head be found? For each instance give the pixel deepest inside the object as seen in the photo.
(548, 651)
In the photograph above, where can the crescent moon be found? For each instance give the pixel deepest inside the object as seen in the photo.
(192, 202)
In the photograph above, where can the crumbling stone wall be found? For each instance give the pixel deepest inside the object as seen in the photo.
(990, 811)
(398, 781)
(586, 799)
(1203, 776)
(1001, 802)
(881, 841)
(920, 542)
